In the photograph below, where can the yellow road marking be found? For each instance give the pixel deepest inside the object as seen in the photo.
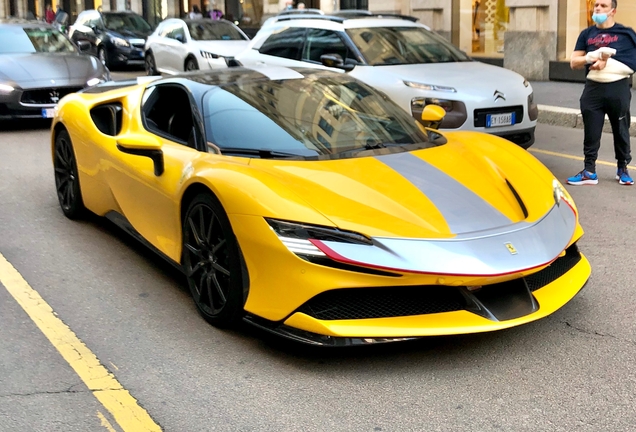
(104, 421)
(578, 158)
(105, 387)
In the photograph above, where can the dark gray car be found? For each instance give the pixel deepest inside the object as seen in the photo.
(38, 66)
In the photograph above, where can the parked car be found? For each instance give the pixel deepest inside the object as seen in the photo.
(116, 38)
(38, 66)
(311, 205)
(409, 62)
(179, 45)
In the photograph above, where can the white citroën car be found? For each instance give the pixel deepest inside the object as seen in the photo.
(410, 63)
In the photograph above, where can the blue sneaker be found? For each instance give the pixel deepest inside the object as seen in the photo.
(584, 178)
(622, 175)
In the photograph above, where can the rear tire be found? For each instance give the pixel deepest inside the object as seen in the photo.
(67, 184)
(211, 261)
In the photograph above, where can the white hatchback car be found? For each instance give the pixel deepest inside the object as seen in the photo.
(410, 63)
(179, 45)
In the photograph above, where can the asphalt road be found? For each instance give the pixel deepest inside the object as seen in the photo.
(572, 371)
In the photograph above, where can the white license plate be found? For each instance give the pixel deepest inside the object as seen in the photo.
(494, 120)
(48, 112)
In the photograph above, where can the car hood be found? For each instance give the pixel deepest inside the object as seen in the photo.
(461, 76)
(223, 48)
(441, 192)
(39, 69)
(130, 34)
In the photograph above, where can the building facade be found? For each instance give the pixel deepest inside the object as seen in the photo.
(525, 34)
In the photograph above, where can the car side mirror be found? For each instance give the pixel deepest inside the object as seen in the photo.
(83, 46)
(432, 116)
(335, 61)
(143, 145)
(180, 38)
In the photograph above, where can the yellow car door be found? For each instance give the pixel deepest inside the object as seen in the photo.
(151, 165)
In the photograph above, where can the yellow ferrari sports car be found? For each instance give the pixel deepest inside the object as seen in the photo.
(310, 205)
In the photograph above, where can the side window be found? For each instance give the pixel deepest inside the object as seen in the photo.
(321, 42)
(164, 30)
(178, 33)
(94, 22)
(167, 112)
(286, 43)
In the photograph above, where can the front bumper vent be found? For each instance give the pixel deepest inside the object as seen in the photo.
(387, 302)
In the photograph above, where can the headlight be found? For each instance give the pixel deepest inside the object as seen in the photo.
(209, 55)
(430, 87)
(297, 237)
(561, 194)
(6, 89)
(120, 42)
(93, 81)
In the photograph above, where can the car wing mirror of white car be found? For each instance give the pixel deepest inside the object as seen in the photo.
(432, 116)
(143, 145)
(335, 61)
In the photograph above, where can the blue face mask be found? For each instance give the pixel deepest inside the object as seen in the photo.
(599, 18)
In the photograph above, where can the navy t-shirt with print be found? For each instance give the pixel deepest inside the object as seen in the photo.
(619, 37)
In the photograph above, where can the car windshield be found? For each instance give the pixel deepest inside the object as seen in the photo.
(33, 39)
(318, 116)
(404, 45)
(213, 30)
(126, 21)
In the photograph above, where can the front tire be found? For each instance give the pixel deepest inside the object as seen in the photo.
(151, 65)
(191, 65)
(211, 262)
(67, 184)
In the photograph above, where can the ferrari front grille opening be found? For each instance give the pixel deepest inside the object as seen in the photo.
(396, 301)
(365, 303)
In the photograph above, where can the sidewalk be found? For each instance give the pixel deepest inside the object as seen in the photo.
(559, 104)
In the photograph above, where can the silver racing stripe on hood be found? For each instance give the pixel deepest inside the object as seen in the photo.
(463, 210)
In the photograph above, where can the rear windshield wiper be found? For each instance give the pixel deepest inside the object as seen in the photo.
(260, 153)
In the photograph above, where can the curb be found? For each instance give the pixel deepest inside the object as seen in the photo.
(569, 117)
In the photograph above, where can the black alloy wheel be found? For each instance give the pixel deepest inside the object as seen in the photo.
(211, 262)
(151, 66)
(66, 178)
(191, 65)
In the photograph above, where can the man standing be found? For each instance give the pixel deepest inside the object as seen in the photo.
(608, 51)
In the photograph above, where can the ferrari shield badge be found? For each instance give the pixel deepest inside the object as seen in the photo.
(511, 248)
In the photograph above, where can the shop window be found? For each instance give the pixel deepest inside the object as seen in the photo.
(490, 22)
(354, 4)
